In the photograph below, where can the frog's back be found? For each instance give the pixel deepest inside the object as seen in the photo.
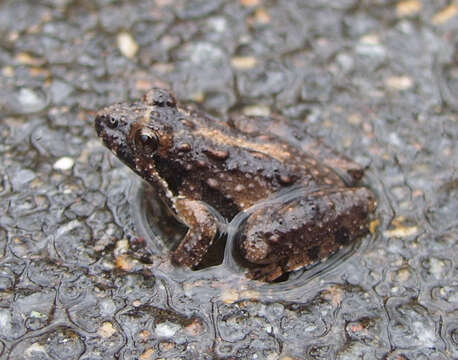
(231, 169)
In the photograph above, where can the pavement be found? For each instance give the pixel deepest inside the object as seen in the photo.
(376, 79)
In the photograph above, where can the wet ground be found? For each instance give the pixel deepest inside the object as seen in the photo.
(377, 79)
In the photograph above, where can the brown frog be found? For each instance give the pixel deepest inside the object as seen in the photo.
(203, 169)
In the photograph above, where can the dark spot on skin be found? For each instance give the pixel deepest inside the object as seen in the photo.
(356, 174)
(342, 236)
(313, 253)
(171, 172)
(225, 206)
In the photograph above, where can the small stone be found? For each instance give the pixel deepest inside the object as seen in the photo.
(143, 85)
(250, 294)
(229, 296)
(399, 82)
(445, 14)
(354, 119)
(106, 330)
(107, 307)
(21, 178)
(403, 275)
(243, 62)
(373, 225)
(345, 62)
(121, 247)
(34, 350)
(198, 97)
(167, 329)
(256, 110)
(64, 163)
(127, 45)
(26, 59)
(60, 91)
(8, 71)
(30, 100)
(249, 3)
(401, 231)
(124, 262)
(194, 328)
(147, 354)
(408, 7)
(262, 16)
(369, 45)
(370, 39)
(218, 24)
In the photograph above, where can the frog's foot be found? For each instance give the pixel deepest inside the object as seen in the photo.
(288, 236)
(203, 226)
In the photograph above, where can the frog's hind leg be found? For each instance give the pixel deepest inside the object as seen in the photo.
(203, 228)
(287, 236)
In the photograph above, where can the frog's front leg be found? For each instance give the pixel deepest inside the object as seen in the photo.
(203, 225)
(287, 236)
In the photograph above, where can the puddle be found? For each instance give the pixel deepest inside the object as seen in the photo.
(223, 274)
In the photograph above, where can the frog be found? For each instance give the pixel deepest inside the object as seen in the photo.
(206, 171)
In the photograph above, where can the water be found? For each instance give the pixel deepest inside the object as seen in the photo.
(226, 276)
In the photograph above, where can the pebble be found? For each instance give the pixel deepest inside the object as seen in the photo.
(243, 62)
(399, 82)
(408, 7)
(369, 45)
(21, 178)
(64, 163)
(31, 100)
(401, 231)
(445, 14)
(249, 3)
(167, 329)
(204, 52)
(8, 71)
(106, 330)
(127, 45)
(60, 91)
(256, 110)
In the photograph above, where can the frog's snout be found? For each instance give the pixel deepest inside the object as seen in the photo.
(98, 124)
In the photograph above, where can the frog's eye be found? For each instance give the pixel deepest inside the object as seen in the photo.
(112, 122)
(146, 141)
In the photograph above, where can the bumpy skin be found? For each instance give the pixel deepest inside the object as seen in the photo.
(198, 164)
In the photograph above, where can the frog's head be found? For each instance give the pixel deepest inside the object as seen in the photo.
(141, 133)
(113, 125)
